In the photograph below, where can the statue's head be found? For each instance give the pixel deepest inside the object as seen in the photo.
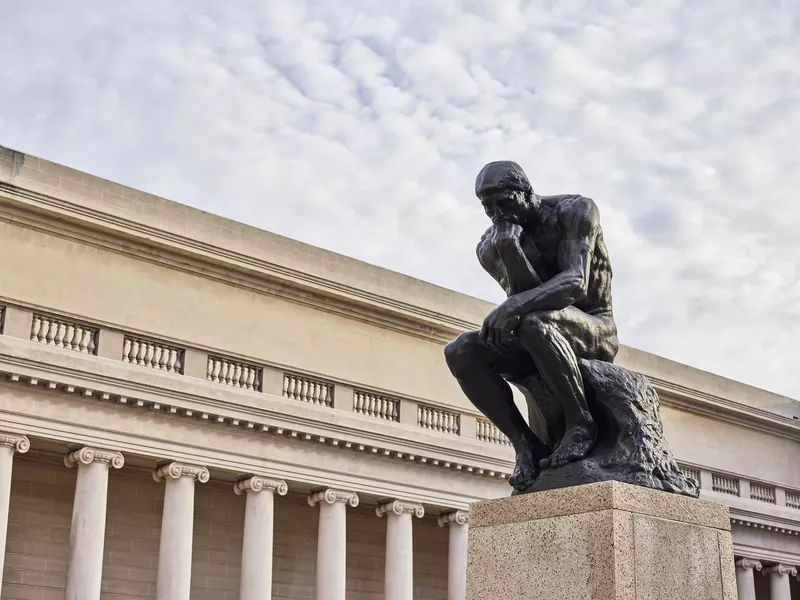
(505, 192)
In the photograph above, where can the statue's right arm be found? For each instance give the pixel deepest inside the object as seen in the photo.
(490, 261)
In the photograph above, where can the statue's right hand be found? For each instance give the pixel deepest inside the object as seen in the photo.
(505, 232)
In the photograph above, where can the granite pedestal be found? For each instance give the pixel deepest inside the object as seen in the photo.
(602, 541)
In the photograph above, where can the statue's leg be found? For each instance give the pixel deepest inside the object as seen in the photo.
(477, 369)
(544, 335)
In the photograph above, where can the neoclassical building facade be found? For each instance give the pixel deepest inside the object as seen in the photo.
(194, 408)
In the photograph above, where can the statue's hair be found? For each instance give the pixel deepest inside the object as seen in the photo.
(502, 174)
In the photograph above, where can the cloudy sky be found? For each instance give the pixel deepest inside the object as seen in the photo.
(360, 125)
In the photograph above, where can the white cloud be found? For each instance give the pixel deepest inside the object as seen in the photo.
(360, 127)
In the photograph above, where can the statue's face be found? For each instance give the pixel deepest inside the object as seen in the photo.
(505, 204)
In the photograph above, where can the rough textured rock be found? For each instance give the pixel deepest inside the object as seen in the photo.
(631, 447)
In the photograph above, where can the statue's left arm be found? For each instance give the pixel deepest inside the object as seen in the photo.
(580, 224)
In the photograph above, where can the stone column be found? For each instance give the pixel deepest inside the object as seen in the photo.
(779, 584)
(9, 443)
(332, 541)
(88, 531)
(458, 523)
(744, 578)
(175, 548)
(256, 579)
(399, 574)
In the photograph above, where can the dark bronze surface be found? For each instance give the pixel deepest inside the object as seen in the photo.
(554, 337)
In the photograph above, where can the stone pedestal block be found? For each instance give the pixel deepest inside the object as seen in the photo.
(602, 541)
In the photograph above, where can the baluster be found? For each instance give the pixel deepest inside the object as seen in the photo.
(209, 369)
(82, 343)
(237, 375)
(90, 349)
(126, 350)
(215, 373)
(149, 354)
(250, 378)
(227, 372)
(173, 360)
(286, 381)
(371, 405)
(163, 359)
(36, 327)
(327, 394)
(49, 329)
(158, 352)
(178, 361)
(60, 329)
(69, 335)
(313, 390)
(141, 351)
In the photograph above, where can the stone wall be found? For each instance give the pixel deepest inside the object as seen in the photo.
(39, 523)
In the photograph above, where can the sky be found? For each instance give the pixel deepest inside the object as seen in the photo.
(359, 126)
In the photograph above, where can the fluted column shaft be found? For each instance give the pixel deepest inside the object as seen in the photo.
(9, 443)
(779, 584)
(259, 520)
(88, 531)
(745, 582)
(175, 548)
(458, 525)
(332, 541)
(399, 572)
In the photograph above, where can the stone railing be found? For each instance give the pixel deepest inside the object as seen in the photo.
(724, 484)
(691, 473)
(437, 419)
(762, 493)
(305, 389)
(64, 334)
(155, 355)
(793, 499)
(233, 373)
(486, 431)
(376, 406)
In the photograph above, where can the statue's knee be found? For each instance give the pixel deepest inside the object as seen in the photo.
(460, 353)
(534, 326)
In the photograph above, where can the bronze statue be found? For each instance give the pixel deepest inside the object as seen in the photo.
(555, 338)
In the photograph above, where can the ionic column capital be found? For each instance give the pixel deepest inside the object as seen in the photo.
(780, 570)
(176, 470)
(88, 455)
(332, 496)
(749, 563)
(399, 507)
(255, 483)
(18, 443)
(459, 517)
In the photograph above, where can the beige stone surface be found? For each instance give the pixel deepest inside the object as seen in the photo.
(595, 497)
(599, 544)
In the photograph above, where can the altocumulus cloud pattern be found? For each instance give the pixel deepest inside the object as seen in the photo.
(359, 126)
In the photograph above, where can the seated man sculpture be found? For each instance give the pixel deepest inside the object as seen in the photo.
(555, 338)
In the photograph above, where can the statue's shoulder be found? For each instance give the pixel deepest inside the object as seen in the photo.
(572, 207)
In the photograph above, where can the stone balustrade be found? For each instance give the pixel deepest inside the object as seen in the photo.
(234, 373)
(486, 431)
(725, 485)
(60, 333)
(376, 406)
(306, 389)
(437, 419)
(155, 355)
(762, 493)
(793, 499)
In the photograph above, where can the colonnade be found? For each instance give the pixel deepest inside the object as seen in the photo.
(779, 579)
(87, 532)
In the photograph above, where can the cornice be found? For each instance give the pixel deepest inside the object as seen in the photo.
(144, 242)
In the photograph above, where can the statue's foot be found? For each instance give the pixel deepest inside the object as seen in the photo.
(574, 446)
(525, 472)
